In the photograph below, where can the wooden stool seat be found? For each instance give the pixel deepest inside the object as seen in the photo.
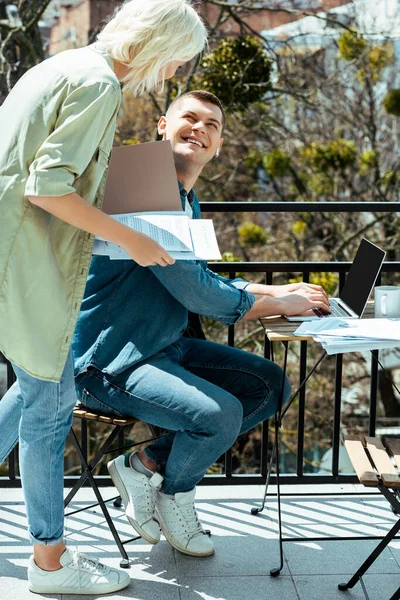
(81, 412)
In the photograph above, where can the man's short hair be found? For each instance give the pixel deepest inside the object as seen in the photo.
(203, 96)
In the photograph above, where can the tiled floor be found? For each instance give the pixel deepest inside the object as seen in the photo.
(246, 547)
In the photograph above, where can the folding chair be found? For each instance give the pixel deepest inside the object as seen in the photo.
(118, 425)
(371, 461)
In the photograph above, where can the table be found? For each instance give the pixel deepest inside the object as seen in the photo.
(279, 329)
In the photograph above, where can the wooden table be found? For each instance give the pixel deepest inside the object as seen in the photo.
(279, 329)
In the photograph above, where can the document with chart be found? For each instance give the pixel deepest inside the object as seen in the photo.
(183, 238)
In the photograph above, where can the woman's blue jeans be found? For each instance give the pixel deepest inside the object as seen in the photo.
(205, 393)
(39, 414)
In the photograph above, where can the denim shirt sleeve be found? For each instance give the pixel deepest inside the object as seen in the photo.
(203, 292)
(238, 283)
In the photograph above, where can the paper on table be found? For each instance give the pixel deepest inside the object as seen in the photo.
(335, 337)
(380, 329)
(340, 345)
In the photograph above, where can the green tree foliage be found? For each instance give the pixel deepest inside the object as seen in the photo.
(351, 45)
(368, 161)
(336, 155)
(237, 71)
(277, 163)
(251, 234)
(391, 102)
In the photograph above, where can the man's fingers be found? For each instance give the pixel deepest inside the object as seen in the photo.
(322, 305)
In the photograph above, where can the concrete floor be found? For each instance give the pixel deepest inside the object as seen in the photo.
(246, 547)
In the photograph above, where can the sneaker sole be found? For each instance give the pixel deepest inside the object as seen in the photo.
(117, 481)
(107, 589)
(175, 545)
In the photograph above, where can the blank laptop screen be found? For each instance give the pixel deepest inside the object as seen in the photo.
(362, 276)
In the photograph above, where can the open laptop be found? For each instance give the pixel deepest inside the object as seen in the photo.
(357, 289)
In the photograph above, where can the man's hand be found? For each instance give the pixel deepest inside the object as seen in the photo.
(277, 291)
(304, 298)
(282, 290)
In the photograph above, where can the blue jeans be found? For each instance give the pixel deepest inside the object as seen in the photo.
(205, 393)
(39, 414)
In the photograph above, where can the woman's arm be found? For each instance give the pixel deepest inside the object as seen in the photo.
(74, 210)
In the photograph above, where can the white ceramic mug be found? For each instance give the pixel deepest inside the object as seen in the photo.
(387, 301)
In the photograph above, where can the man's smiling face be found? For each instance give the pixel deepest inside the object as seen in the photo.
(194, 128)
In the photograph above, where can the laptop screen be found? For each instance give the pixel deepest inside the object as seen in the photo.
(362, 276)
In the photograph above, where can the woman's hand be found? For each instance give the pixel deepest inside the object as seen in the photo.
(145, 251)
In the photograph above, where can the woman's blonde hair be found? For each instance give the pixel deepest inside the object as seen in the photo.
(147, 35)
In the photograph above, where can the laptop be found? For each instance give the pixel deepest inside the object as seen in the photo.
(357, 289)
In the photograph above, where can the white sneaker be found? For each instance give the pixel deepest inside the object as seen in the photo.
(180, 524)
(79, 574)
(138, 493)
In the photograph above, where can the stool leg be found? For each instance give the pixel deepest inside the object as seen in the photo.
(124, 563)
(371, 558)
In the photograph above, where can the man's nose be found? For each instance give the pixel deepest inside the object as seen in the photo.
(199, 126)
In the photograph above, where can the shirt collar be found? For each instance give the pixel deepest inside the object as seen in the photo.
(184, 194)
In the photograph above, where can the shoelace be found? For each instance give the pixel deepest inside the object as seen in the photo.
(87, 564)
(191, 519)
(150, 494)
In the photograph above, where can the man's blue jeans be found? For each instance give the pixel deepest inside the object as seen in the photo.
(39, 414)
(205, 393)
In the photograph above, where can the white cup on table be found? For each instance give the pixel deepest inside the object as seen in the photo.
(387, 301)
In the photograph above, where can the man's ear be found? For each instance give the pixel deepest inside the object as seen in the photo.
(162, 127)
(219, 147)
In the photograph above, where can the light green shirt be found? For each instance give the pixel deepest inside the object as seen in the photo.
(56, 133)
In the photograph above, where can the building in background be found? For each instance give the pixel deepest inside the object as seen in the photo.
(75, 23)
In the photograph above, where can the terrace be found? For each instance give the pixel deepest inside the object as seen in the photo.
(325, 511)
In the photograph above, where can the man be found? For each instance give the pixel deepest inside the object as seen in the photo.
(132, 357)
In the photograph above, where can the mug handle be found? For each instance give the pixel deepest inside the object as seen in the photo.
(384, 305)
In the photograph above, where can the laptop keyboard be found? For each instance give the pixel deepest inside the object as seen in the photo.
(336, 311)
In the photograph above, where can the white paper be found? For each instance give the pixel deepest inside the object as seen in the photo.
(183, 238)
(379, 329)
(205, 243)
(352, 335)
(170, 231)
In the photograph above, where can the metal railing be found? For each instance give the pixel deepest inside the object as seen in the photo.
(269, 270)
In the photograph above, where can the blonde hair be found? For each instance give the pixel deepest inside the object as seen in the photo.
(147, 35)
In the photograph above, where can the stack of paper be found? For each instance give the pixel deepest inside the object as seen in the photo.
(352, 335)
(181, 237)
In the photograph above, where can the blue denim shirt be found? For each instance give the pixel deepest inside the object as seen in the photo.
(130, 313)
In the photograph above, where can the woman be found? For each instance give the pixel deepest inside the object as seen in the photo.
(57, 129)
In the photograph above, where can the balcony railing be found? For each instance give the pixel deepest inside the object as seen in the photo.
(270, 270)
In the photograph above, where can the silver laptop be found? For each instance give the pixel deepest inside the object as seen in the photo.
(357, 289)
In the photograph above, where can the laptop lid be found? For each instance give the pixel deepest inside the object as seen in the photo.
(362, 276)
